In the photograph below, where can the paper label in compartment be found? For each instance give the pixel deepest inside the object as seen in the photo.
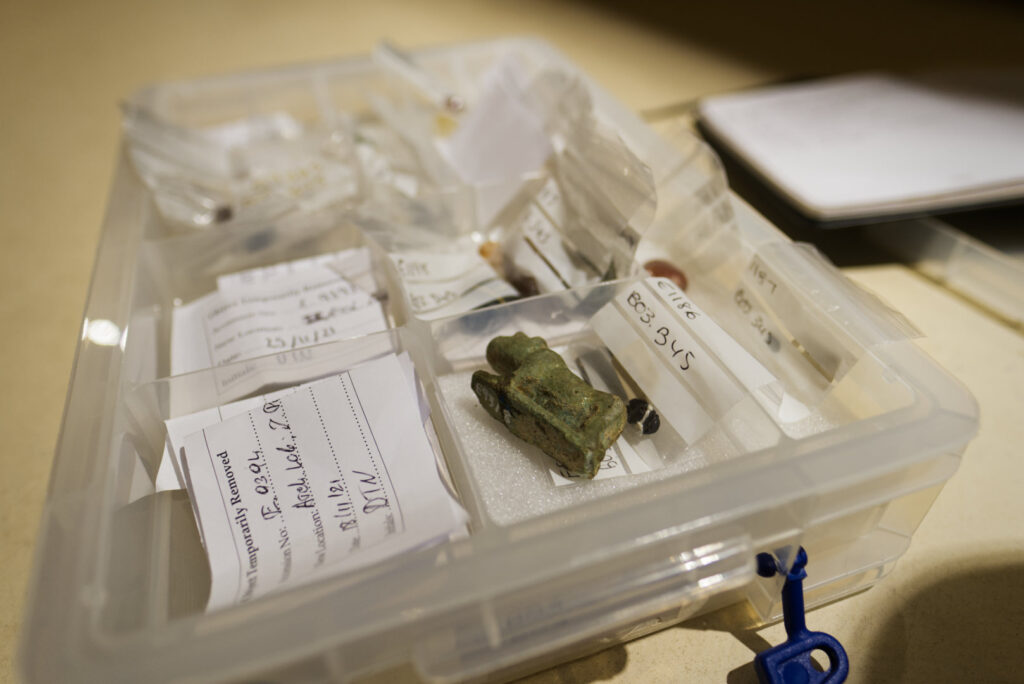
(765, 291)
(440, 284)
(621, 458)
(691, 370)
(335, 475)
(539, 250)
(170, 474)
(354, 265)
(311, 306)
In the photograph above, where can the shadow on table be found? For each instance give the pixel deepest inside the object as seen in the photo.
(734, 620)
(600, 666)
(815, 38)
(965, 626)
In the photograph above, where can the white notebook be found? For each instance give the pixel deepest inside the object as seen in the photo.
(870, 145)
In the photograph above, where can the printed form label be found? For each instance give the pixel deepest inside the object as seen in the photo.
(335, 475)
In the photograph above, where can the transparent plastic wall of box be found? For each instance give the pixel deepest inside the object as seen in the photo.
(119, 591)
(984, 274)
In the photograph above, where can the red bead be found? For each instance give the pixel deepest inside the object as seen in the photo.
(660, 268)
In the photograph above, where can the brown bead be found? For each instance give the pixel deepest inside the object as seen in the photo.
(659, 268)
(525, 285)
(491, 252)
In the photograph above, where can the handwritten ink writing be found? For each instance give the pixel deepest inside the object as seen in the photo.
(709, 372)
(677, 299)
(412, 268)
(446, 282)
(373, 494)
(344, 511)
(755, 318)
(303, 493)
(301, 481)
(303, 339)
(308, 307)
(669, 342)
(271, 510)
(762, 276)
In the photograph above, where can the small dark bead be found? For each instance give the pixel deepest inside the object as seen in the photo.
(525, 285)
(651, 423)
(635, 410)
(222, 214)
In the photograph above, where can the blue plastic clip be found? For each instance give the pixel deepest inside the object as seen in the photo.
(790, 662)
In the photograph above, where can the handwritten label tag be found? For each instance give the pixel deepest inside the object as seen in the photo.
(620, 460)
(691, 369)
(171, 473)
(311, 306)
(441, 284)
(766, 292)
(334, 475)
(539, 249)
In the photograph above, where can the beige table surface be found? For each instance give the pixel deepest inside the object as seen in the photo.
(952, 610)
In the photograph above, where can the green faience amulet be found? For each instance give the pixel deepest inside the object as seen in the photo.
(542, 402)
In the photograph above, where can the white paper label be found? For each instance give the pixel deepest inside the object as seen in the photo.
(312, 306)
(692, 371)
(766, 291)
(171, 473)
(621, 458)
(181, 427)
(539, 249)
(354, 265)
(618, 461)
(441, 284)
(335, 475)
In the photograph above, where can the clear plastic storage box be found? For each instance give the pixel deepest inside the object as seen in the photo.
(545, 573)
